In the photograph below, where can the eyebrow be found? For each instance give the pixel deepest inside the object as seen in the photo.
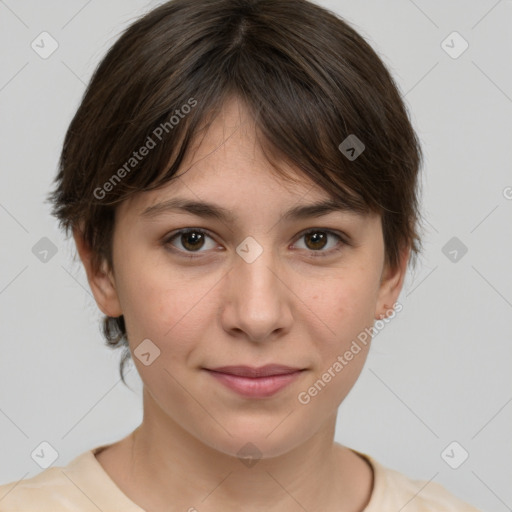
(213, 211)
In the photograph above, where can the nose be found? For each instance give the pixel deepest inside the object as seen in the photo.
(256, 301)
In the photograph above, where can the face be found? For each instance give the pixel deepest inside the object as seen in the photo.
(256, 288)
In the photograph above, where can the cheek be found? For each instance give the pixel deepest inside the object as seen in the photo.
(164, 305)
(347, 306)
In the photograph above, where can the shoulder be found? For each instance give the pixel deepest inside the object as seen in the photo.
(43, 492)
(56, 488)
(393, 491)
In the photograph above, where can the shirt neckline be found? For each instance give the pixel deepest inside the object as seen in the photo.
(102, 488)
(98, 485)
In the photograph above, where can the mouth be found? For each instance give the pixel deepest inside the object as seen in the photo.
(255, 382)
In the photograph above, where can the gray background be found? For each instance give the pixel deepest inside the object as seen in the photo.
(438, 373)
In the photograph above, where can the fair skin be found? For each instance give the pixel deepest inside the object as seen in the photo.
(287, 307)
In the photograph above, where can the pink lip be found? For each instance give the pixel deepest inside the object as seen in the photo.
(255, 382)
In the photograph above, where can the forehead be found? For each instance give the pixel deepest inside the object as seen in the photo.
(227, 170)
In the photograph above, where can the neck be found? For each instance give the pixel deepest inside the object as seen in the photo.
(170, 466)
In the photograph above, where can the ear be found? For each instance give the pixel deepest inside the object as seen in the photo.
(392, 280)
(101, 280)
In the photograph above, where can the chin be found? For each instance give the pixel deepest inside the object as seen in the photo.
(258, 439)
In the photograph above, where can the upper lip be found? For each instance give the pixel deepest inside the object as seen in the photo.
(251, 371)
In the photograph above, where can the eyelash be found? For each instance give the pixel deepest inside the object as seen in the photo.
(342, 242)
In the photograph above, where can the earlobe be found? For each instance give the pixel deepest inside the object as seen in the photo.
(101, 280)
(391, 285)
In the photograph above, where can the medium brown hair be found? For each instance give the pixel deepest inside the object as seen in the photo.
(308, 79)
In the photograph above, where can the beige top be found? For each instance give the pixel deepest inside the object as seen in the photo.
(84, 486)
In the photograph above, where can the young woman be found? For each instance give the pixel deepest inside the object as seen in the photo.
(241, 183)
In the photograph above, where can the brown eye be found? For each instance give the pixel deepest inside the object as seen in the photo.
(321, 242)
(315, 240)
(190, 241)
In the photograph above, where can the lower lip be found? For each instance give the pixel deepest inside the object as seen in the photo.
(255, 387)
